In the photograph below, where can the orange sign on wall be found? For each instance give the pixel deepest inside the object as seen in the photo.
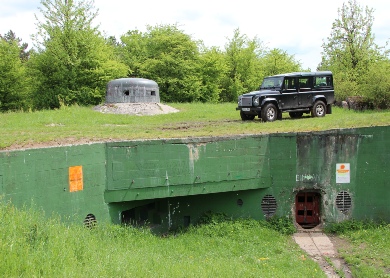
(343, 173)
(75, 178)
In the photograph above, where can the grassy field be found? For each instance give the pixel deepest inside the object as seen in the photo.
(367, 248)
(34, 246)
(82, 124)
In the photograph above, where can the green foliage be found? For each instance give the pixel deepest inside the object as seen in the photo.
(14, 86)
(11, 38)
(212, 71)
(133, 52)
(170, 57)
(74, 62)
(210, 217)
(376, 85)
(243, 66)
(283, 225)
(186, 71)
(351, 44)
(352, 225)
(360, 67)
(248, 62)
(277, 61)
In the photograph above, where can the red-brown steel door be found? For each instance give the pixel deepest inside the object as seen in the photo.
(307, 209)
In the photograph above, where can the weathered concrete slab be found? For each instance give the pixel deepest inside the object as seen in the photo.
(318, 246)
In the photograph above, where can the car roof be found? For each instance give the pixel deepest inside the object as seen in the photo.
(298, 74)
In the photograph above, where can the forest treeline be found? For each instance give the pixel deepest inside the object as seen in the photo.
(72, 62)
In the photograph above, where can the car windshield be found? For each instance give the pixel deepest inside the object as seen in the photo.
(272, 82)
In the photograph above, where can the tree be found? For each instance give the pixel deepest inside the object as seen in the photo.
(351, 44)
(277, 61)
(74, 61)
(167, 55)
(376, 85)
(14, 88)
(350, 51)
(213, 70)
(244, 69)
(134, 52)
(10, 37)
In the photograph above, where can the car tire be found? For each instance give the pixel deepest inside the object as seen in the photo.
(269, 113)
(295, 114)
(246, 117)
(318, 109)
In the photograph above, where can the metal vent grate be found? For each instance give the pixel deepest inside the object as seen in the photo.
(268, 205)
(90, 220)
(343, 201)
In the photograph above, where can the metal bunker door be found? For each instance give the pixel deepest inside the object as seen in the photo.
(307, 210)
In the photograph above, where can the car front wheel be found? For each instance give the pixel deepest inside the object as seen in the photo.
(269, 113)
(318, 109)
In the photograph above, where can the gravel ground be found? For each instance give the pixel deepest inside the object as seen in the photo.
(139, 109)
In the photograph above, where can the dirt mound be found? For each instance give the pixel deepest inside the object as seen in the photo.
(138, 109)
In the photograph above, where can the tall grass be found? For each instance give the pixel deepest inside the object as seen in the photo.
(368, 250)
(34, 246)
(83, 124)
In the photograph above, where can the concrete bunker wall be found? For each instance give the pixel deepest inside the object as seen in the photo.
(169, 183)
(132, 90)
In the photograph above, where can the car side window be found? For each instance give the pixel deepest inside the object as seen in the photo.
(323, 82)
(290, 85)
(304, 84)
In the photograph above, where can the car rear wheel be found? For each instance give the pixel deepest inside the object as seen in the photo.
(269, 113)
(318, 109)
(246, 117)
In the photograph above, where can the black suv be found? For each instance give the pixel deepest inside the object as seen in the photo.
(296, 93)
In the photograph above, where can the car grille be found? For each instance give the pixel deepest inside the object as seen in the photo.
(246, 101)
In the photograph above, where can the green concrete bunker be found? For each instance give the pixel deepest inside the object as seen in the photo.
(315, 178)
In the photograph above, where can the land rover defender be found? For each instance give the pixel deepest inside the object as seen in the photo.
(296, 93)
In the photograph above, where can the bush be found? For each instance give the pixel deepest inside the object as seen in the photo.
(353, 225)
(283, 225)
(210, 217)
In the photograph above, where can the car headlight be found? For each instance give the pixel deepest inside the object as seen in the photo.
(256, 101)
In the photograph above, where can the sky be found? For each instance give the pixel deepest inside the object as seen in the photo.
(298, 27)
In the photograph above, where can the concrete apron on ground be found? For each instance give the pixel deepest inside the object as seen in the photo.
(318, 246)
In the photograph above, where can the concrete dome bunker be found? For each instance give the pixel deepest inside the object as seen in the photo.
(132, 90)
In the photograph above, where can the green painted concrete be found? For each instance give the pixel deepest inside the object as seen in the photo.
(140, 170)
(40, 177)
(169, 183)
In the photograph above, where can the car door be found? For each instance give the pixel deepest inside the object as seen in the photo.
(289, 97)
(305, 95)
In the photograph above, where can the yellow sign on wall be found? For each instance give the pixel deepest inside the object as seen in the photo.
(75, 178)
